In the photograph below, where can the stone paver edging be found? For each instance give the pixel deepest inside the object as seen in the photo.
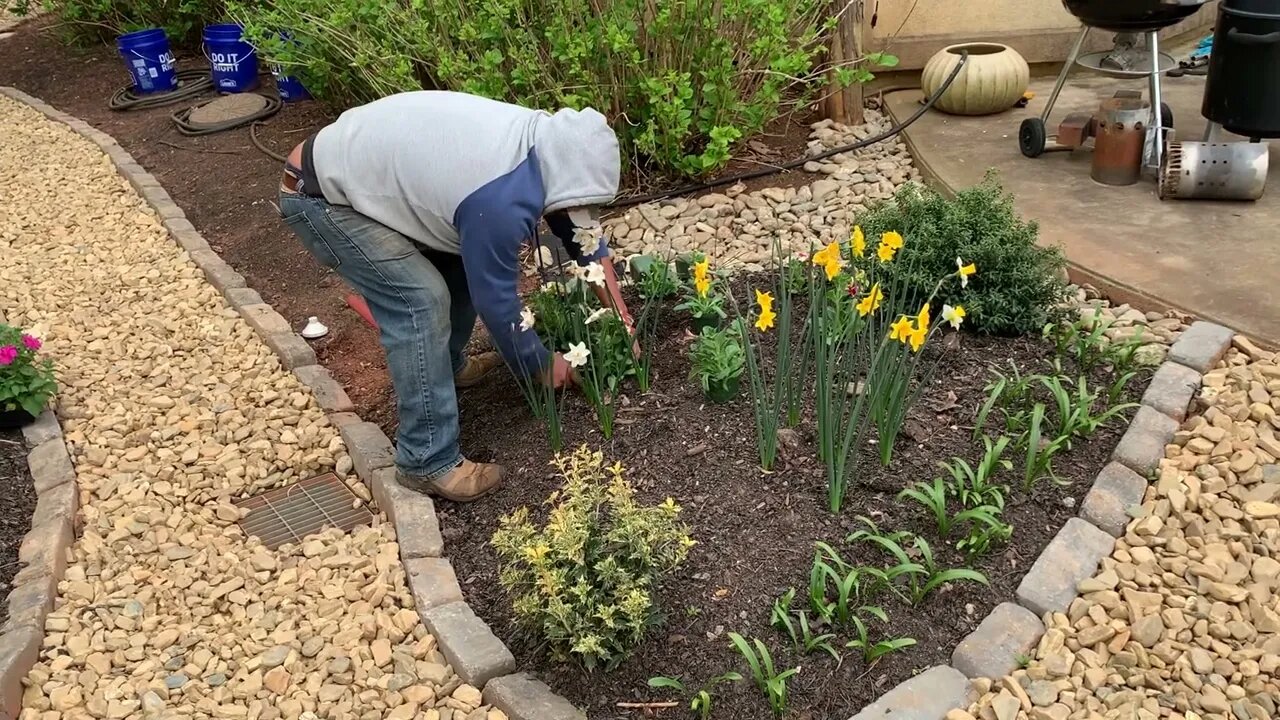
(478, 657)
(43, 554)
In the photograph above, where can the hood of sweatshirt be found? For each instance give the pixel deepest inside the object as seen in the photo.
(578, 157)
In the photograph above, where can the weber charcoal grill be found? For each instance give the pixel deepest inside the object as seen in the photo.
(1242, 93)
(1131, 20)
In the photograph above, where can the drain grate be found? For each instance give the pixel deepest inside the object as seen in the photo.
(289, 514)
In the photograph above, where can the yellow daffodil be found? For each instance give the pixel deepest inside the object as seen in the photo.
(765, 320)
(701, 281)
(918, 336)
(829, 259)
(885, 252)
(964, 271)
(901, 330)
(953, 315)
(858, 242)
(892, 239)
(871, 302)
(922, 320)
(766, 317)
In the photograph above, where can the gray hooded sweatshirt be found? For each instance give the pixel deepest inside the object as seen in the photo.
(467, 175)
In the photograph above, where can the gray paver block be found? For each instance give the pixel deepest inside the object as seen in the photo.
(1171, 390)
(264, 319)
(190, 240)
(293, 351)
(1073, 555)
(368, 447)
(44, 428)
(216, 270)
(433, 582)
(31, 599)
(19, 650)
(1116, 489)
(50, 465)
(44, 548)
(927, 696)
(1142, 446)
(522, 697)
(59, 501)
(1201, 346)
(240, 297)
(174, 225)
(992, 649)
(476, 654)
(328, 392)
(412, 513)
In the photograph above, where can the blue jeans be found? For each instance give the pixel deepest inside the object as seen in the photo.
(420, 301)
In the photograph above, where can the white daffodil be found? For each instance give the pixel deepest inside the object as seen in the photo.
(595, 274)
(527, 319)
(953, 315)
(597, 315)
(554, 287)
(587, 238)
(964, 271)
(577, 355)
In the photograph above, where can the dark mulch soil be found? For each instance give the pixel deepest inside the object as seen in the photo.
(17, 502)
(756, 531)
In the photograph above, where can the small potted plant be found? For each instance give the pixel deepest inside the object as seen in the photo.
(718, 361)
(26, 381)
(686, 262)
(706, 307)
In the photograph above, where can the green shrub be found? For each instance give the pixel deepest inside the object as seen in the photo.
(93, 21)
(681, 80)
(584, 582)
(1019, 285)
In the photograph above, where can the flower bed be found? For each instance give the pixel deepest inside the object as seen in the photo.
(761, 533)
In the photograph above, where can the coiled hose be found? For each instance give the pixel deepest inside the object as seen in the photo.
(191, 83)
(792, 164)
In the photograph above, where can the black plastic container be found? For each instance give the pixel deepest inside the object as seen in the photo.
(1132, 15)
(1242, 93)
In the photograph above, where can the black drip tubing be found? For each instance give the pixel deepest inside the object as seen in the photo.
(792, 164)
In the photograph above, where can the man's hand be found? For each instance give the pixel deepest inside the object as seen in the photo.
(558, 374)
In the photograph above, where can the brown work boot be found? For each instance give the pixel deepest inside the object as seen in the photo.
(469, 481)
(476, 368)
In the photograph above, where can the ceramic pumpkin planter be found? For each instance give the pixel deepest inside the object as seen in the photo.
(991, 81)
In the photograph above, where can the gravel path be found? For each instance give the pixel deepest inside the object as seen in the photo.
(172, 408)
(1183, 620)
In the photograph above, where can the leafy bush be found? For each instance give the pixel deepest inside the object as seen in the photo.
(92, 21)
(584, 582)
(682, 80)
(1020, 284)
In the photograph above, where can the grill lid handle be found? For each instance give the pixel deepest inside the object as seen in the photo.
(1245, 38)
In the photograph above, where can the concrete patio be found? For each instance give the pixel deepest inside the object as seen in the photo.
(1216, 260)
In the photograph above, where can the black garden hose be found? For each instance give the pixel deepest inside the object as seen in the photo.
(792, 164)
(191, 83)
(180, 118)
(253, 137)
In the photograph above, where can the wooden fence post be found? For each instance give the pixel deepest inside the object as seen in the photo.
(845, 105)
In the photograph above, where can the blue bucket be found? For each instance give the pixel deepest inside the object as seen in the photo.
(150, 61)
(289, 87)
(233, 62)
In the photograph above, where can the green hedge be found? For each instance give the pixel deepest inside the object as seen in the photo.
(94, 21)
(1019, 285)
(680, 80)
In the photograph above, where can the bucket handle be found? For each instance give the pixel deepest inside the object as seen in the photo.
(204, 50)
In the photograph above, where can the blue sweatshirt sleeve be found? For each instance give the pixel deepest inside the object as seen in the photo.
(492, 224)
